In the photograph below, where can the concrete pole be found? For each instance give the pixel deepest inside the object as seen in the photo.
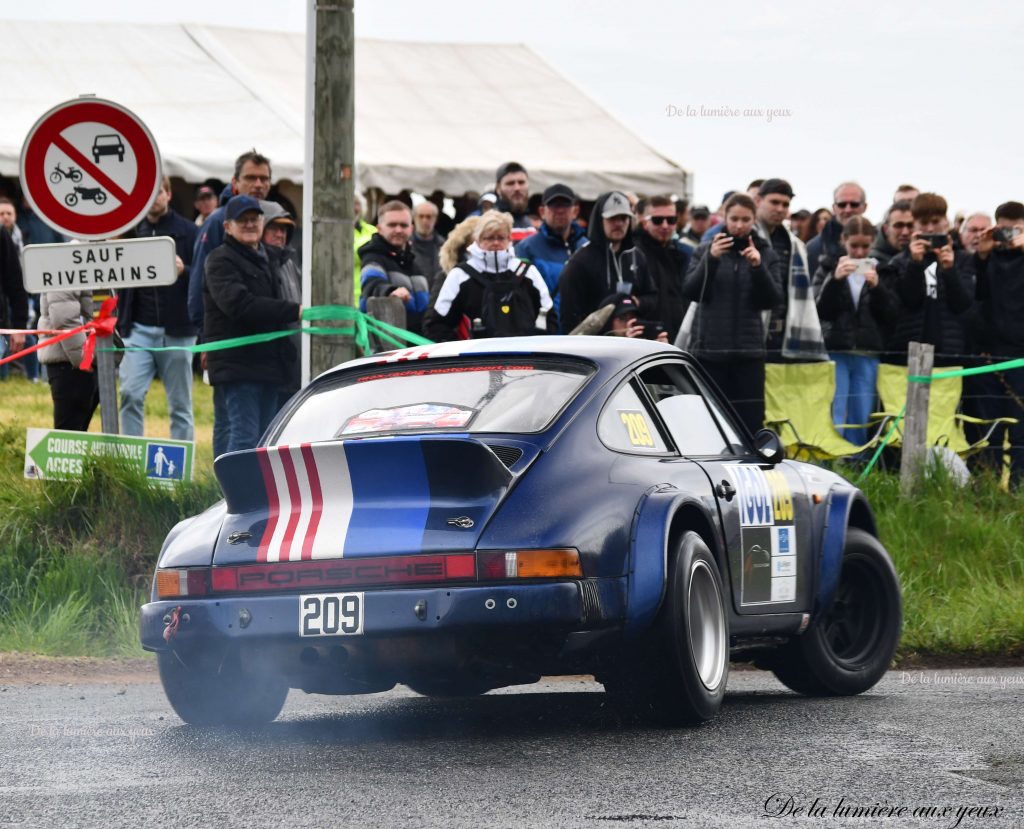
(330, 171)
(915, 423)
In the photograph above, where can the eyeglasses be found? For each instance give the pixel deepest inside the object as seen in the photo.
(661, 220)
(902, 225)
(851, 204)
(248, 220)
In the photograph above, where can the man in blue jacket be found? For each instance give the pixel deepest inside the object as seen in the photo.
(559, 237)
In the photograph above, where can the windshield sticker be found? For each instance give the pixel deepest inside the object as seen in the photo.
(767, 535)
(637, 429)
(418, 416)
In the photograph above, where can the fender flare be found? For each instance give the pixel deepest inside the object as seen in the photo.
(847, 507)
(647, 573)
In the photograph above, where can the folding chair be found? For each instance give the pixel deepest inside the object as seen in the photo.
(798, 405)
(945, 423)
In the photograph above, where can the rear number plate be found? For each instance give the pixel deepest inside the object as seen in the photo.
(331, 614)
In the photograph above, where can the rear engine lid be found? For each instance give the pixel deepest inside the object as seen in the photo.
(357, 498)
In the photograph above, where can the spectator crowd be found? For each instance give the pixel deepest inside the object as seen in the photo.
(751, 282)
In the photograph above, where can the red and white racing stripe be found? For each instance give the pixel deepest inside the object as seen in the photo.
(301, 487)
(422, 352)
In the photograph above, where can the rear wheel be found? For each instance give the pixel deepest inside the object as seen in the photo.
(677, 675)
(851, 647)
(219, 693)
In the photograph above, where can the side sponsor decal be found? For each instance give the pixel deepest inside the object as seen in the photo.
(767, 535)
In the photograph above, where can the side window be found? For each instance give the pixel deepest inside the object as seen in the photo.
(682, 406)
(625, 425)
(732, 434)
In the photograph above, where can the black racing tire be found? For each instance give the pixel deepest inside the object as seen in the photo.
(678, 673)
(456, 687)
(849, 650)
(209, 693)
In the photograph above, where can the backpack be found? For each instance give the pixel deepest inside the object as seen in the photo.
(508, 308)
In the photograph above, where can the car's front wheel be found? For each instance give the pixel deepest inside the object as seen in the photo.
(678, 673)
(218, 692)
(851, 647)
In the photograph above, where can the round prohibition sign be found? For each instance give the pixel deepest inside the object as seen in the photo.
(108, 204)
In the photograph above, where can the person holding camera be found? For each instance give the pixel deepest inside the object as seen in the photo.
(929, 280)
(854, 308)
(731, 281)
(999, 267)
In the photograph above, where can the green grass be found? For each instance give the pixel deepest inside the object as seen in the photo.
(76, 557)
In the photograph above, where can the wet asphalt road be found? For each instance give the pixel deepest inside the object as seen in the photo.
(107, 755)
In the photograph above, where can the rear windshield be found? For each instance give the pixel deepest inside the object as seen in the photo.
(502, 396)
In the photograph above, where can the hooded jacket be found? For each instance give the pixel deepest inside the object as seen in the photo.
(731, 299)
(593, 273)
(882, 250)
(60, 310)
(242, 295)
(289, 275)
(385, 269)
(460, 294)
(548, 252)
(165, 306)
(667, 265)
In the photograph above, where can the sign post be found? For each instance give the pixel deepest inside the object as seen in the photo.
(90, 169)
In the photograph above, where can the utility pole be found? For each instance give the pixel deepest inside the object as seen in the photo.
(330, 169)
(915, 430)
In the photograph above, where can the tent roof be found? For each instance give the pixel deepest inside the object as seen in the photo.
(428, 115)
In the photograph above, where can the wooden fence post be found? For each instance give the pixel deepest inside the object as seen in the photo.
(915, 423)
(389, 309)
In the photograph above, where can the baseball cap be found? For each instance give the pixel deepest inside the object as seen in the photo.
(489, 198)
(508, 167)
(699, 212)
(204, 191)
(623, 306)
(556, 192)
(616, 205)
(775, 185)
(237, 205)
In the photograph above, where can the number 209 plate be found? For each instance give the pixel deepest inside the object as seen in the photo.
(331, 614)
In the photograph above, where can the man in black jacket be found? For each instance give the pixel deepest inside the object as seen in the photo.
(242, 296)
(667, 260)
(610, 264)
(999, 267)
(156, 318)
(389, 265)
(13, 299)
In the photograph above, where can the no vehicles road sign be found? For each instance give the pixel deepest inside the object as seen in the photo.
(90, 168)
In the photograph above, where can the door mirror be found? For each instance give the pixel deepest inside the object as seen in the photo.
(769, 446)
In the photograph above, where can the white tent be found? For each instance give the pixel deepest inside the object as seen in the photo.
(428, 115)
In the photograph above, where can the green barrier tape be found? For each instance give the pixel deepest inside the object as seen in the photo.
(364, 325)
(881, 446)
(967, 372)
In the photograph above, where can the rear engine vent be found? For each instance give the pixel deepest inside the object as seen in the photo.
(508, 455)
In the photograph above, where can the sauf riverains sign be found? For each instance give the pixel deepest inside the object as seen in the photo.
(59, 454)
(126, 263)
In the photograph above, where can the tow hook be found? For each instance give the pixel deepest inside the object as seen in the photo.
(171, 622)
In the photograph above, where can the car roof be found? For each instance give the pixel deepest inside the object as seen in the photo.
(610, 353)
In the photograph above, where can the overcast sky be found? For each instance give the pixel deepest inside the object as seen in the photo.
(924, 92)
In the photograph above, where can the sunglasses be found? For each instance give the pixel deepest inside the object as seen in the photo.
(846, 204)
(661, 220)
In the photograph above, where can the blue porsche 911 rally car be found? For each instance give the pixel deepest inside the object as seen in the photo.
(465, 516)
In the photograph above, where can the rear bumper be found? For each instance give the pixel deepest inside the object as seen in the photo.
(570, 606)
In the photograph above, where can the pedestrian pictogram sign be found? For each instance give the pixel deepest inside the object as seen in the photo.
(90, 168)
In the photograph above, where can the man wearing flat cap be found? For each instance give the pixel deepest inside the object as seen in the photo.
(559, 237)
(242, 295)
(610, 264)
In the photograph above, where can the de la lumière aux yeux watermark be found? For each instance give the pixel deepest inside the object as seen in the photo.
(766, 113)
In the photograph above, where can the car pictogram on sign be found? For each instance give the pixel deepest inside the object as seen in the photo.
(90, 169)
(107, 145)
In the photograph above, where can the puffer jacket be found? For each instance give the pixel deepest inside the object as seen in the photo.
(937, 320)
(849, 328)
(62, 310)
(385, 269)
(731, 297)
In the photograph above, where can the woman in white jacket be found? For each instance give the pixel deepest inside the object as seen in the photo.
(75, 392)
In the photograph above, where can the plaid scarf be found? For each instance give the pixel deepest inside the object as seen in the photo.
(802, 339)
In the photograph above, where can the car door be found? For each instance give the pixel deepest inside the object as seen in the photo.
(763, 507)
